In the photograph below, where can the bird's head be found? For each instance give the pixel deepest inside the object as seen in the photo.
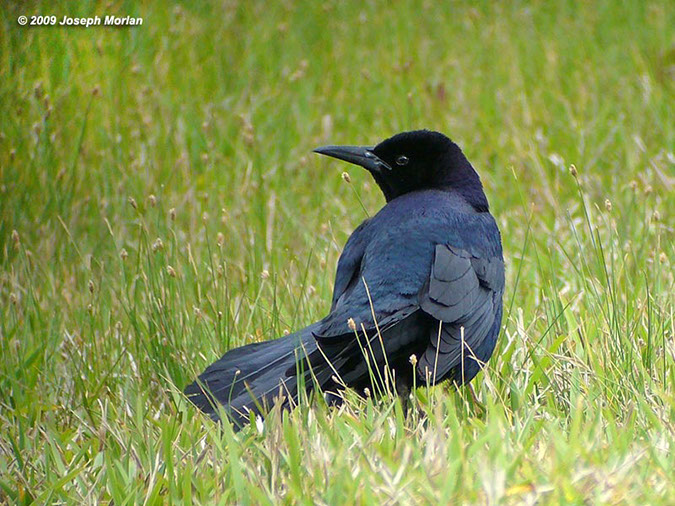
(412, 161)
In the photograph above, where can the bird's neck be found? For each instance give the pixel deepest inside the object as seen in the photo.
(463, 179)
(470, 190)
(389, 190)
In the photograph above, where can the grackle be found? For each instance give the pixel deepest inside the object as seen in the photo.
(423, 277)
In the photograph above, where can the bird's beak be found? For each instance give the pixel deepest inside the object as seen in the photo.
(358, 155)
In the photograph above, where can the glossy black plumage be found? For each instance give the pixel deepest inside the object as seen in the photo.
(429, 268)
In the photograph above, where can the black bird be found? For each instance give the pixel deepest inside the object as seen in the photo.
(423, 277)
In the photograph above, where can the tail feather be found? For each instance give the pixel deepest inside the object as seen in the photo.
(250, 378)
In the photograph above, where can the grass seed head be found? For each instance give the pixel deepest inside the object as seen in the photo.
(123, 254)
(132, 202)
(152, 200)
(573, 170)
(38, 90)
(158, 245)
(16, 239)
(346, 177)
(351, 324)
(608, 205)
(170, 271)
(172, 214)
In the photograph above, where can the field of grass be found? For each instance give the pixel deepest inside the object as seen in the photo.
(159, 204)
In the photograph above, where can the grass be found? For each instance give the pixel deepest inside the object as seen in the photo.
(159, 204)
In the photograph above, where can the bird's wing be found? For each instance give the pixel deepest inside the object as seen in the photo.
(463, 293)
(349, 264)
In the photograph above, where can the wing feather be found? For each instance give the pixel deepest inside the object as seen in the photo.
(462, 294)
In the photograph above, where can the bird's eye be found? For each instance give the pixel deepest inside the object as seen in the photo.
(402, 160)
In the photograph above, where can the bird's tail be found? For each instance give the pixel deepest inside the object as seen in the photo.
(250, 378)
